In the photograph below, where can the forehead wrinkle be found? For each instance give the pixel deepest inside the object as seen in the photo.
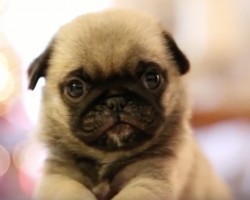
(101, 60)
(111, 57)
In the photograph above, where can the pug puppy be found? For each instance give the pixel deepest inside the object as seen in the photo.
(115, 117)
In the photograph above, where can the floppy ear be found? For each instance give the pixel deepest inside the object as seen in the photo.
(39, 66)
(180, 59)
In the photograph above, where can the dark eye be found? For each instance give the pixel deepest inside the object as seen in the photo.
(151, 80)
(75, 88)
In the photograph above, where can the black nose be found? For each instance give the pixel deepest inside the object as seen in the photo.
(116, 104)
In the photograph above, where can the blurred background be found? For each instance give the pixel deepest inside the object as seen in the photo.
(213, 34)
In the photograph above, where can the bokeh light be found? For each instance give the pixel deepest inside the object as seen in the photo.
(5, 161)
(28, 157)
(6, 80)
(27, 183)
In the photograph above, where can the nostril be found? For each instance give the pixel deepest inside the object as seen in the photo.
(110, 103)
(116, 104)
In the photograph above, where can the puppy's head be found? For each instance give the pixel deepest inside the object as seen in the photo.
(112, 83)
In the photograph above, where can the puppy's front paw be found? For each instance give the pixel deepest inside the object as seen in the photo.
(138, 194)
(147, 190)
(57, 187)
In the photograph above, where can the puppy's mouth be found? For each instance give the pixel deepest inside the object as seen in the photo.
(104, 129)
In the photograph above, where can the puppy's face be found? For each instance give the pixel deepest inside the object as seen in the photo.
(119, 111)
(112, 82)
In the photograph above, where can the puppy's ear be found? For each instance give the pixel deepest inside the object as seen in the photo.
(180, 59)
(39, 66)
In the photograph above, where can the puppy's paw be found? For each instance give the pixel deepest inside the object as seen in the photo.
(58, 187)
(144, 189)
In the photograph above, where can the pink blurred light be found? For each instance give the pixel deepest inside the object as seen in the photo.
(28, 157)
(5, 161)
(27, 183)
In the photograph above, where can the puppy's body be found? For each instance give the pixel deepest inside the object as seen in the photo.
(115, 118)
